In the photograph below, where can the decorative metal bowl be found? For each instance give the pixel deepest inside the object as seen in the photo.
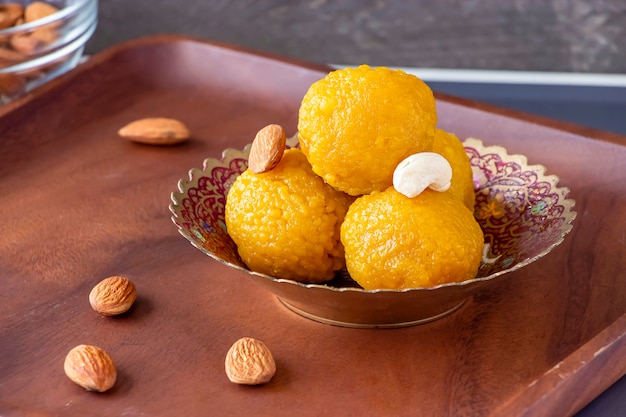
(523, 213)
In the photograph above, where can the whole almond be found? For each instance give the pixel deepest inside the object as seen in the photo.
(10, 57)
(249, 362)
(38, 10)
(27, 44)
(9, 14)
(267, 149)
(11, 84)
(155, 131)
(46, 34)
(91, 368)
(113, 296)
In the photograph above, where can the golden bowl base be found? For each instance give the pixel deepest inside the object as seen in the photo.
(389, 325)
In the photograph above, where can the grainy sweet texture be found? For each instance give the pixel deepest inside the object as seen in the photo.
(293, 198)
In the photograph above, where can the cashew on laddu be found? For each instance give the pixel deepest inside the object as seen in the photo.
(420, 171)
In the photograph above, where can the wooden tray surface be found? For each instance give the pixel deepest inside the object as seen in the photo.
(79, 204)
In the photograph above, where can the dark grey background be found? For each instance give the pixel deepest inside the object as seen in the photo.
(532, 35)
(538, 35)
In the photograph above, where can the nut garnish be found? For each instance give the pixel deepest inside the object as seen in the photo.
(28, 43)
(420, 171)
(10, 57)
(113, 295)
(9, 14)
(90, 367)
(38, 10)
(16, 48)
(11, 84)
(267, 149)
(155, 131)
(249, 362)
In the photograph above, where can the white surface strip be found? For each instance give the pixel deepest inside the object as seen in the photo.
(514, 77)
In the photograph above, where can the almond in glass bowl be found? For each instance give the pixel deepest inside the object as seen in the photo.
(40, 40)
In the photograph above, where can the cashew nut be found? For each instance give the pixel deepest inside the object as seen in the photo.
(420, 171)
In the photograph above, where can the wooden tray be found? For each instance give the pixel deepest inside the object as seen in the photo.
(80, 204)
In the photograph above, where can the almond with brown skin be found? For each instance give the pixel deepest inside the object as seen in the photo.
(10, 57)
(91, 368)
(35, 42)
(11, 84)
(267, 149)
(38, 10)
(46, 34)
(155, 131)
(9, 14)
(27, 44)
(113, 296)
(249, 362)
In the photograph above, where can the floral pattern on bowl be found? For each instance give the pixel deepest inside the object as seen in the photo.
(523, 213)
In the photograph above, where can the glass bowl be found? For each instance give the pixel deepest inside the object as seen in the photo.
(33, 52)
(523, 213)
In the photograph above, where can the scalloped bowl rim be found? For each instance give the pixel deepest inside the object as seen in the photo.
(567, 227)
